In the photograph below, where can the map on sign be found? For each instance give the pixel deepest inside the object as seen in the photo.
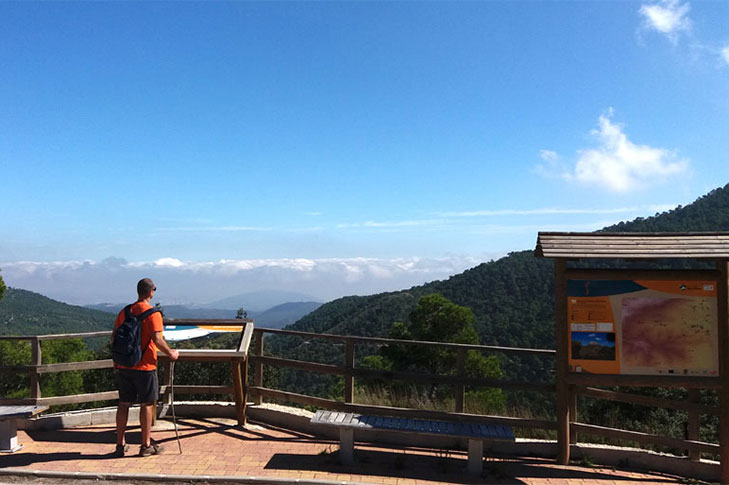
(643, 327)
(184, 332)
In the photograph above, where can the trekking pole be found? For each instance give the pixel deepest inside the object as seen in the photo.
(172, 397)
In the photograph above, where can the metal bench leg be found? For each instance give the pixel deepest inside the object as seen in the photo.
(475, 457)
(346, 446)
(9, 436)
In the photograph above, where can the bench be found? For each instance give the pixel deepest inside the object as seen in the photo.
(9, 426)
(476, 433)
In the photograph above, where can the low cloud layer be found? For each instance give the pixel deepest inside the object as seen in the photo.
(114, 280)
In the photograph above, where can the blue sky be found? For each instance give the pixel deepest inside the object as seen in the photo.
(382, 143)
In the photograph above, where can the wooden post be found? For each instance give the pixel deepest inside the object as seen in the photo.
(722, 302)
(36, 358)
(562, 361)
(693, 427)
(573, 413)
(244, 396)
(258, 377)
(349, 369)
(166, 382)
(240, 410)
(460, 372)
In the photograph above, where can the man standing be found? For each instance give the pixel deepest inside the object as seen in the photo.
(139, 384)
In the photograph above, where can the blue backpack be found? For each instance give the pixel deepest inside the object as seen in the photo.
(126, 347)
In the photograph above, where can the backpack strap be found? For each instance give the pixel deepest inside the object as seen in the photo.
(147, 313)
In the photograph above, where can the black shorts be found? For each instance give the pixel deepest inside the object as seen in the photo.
(137, 386)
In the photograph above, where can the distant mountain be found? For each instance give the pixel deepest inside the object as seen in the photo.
(107, 307)
(181, 311)
(277, 317)
(259, 301)
(171, 311)
(23, 312)
(286, 314)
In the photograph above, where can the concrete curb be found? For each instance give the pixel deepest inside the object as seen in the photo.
(170, 478)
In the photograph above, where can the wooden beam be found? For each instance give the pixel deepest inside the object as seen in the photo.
(258, 366)
(240, 411)
(460, 389)
(299, 364)
(690, 406)
(722, 300)
(388, 341)
(693, 428)
(348, 372)
(75, 366)
(198, 389)
(674, 381)
(562, 361)
(646, 438)
(245, 338)
(641, 274)
(35, 360)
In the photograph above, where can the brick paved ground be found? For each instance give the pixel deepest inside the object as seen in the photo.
(217, 447)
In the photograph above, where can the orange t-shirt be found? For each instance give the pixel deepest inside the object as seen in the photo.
(150, 325)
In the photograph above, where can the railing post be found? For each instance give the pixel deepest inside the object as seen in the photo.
(573, 412)
(166, 383)
(36, 358)
(349, 369)
(460, 372)
(240, 404)
(562, 364)
(693, 427)
(258, 377)
(722, 311)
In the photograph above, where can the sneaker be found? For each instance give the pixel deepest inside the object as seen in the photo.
(154, 448)
(120, 450)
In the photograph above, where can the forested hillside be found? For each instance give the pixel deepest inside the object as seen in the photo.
(26, 313)
(512, 298)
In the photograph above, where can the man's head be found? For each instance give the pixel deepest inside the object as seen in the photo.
(145, 287)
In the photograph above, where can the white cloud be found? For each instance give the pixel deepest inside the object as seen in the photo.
(669, 17)
(725, 54)
(549, 156)
(547, 211)
(553, 167)
(620, 165)
(170, 262)
(390, 224)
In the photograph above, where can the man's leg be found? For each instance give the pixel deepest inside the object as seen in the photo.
(146, 412)
(122, 415)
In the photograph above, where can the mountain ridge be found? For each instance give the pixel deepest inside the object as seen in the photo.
(24, 312)
(512, 298)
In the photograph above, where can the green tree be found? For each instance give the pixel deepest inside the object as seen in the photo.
(14, 353)
(60, 351)
(241, 314)
(2, 287)
(437, 319)
(434, 319)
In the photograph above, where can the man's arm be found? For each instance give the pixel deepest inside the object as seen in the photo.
(161, 344)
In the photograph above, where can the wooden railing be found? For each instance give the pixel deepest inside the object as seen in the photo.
(349, 372)
(589, 386)
(37, 368)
